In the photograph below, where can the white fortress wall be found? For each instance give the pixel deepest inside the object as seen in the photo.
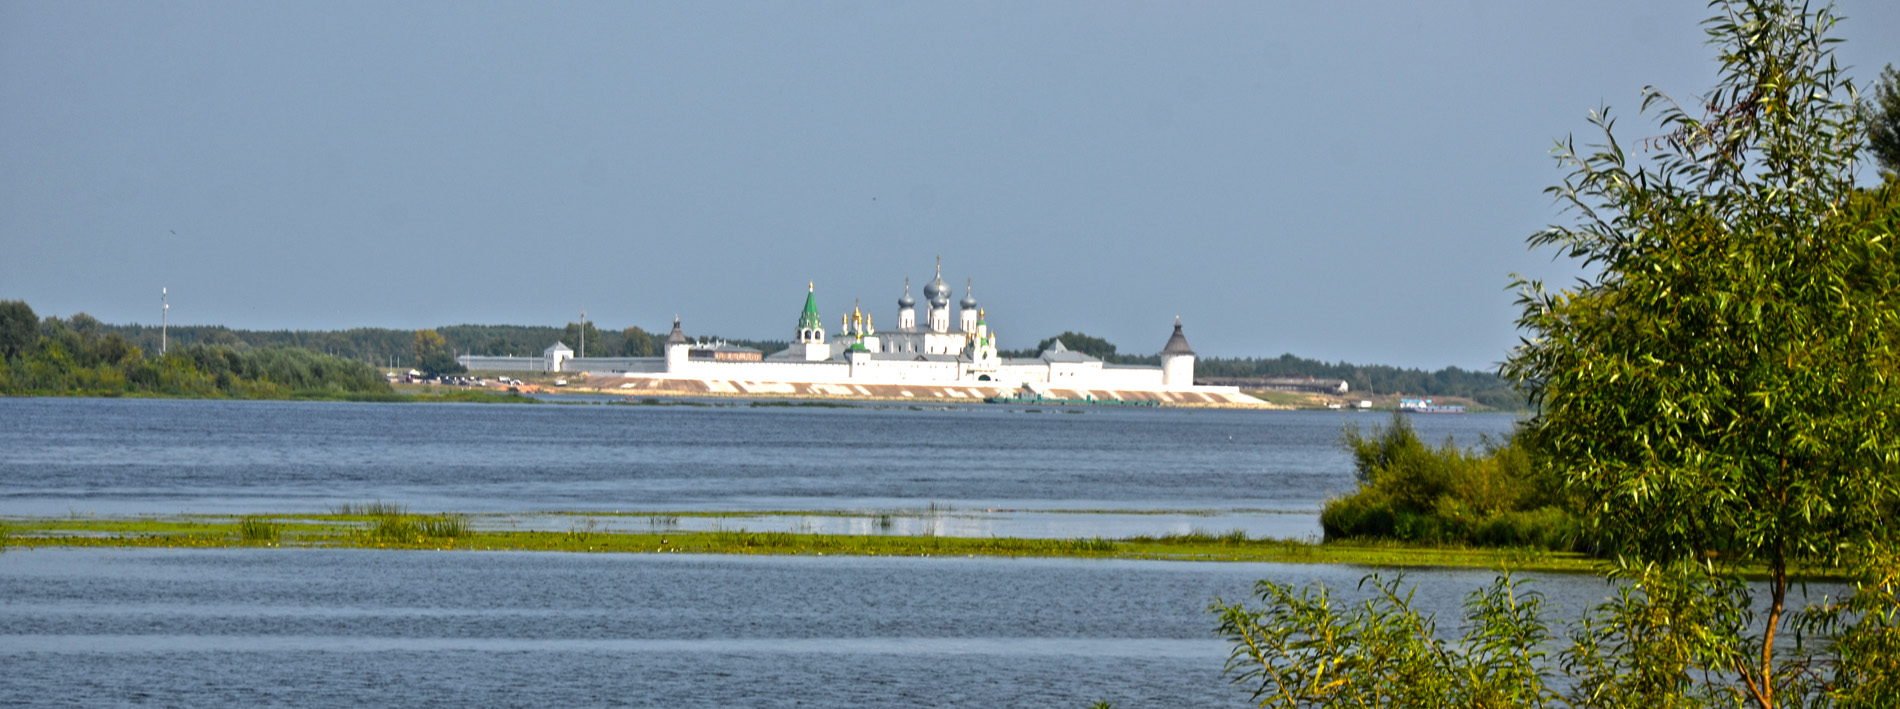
(616, 365)
(503, 364)
(884, 371)
(1127, 378)
(793, 371)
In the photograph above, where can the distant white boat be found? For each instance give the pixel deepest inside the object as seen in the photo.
(1425, 406)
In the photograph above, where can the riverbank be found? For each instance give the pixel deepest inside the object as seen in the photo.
(450, 532)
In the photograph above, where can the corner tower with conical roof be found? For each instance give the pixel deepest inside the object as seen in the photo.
(1177, 360)
(811, 328)
(678, 349)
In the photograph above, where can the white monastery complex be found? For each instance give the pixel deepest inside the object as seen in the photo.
(929, 354)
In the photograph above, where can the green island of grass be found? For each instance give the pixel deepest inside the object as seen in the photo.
(380, 526)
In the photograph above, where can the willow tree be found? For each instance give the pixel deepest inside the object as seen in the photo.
(1720, 391)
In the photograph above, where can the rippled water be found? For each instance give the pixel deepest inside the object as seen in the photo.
(312, 627)
(248, 627)
(1001, 469)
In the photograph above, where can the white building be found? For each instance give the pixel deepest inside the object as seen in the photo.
(924, 349)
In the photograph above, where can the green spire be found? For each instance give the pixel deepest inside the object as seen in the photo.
(809, 319)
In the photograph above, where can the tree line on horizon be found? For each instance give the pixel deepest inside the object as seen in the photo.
(81, 356)
(390, 347)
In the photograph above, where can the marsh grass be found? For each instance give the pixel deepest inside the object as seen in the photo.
(411, 529)
(439, 531)
(1198, 536)
(257, 530)
(376, 508)
(581, 529)
(663, 521)
(743, 539)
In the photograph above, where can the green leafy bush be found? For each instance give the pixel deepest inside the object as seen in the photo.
(1413, 492)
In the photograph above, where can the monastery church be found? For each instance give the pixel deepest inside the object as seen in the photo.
(928, 347)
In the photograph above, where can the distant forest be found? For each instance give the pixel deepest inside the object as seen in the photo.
(84, 358)
(388, 347)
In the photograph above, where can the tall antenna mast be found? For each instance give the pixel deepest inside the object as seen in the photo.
(164, 317)
(583, 332)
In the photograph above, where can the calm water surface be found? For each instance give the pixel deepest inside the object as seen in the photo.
(999, 470)
(305, 627)
(251, 627)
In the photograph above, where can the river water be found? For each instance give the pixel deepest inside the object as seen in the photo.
(953, 470)
(251, 627)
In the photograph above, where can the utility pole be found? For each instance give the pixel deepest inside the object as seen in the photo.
(583, 332)
(164, 317)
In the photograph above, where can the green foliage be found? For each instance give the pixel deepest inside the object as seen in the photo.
(377, 508)
(1078, 342)
(1302, 648)
(1672, 636)
(258, 530)
(407, 529)
(428, 343)
(1716, 397)
(592, 341)
(1882, 113)
(433, 357)
(82, 357)
(19, 328)
(1413, 492)
(635, 342)
(1723, 386)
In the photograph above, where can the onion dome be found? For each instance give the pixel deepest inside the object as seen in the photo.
(1177, 344)
(935, 291)
(969, 301)
(906, 302)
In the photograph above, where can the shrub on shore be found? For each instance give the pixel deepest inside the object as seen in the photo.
(1413, 492)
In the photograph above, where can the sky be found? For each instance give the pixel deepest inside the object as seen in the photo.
(1338, 180)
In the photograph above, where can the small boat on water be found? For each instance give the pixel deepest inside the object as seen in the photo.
(1425, 406)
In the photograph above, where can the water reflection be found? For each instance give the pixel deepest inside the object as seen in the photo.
(1026, 524)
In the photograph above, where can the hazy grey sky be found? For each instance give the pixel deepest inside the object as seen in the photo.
(1338, 180)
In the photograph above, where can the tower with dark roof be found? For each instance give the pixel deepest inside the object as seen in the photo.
(677, 348)
(1177, 360)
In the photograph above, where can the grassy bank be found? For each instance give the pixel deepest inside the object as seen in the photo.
(354, 528)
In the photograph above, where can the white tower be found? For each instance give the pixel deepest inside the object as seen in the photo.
(811, 328)
(1177, 360)
(939, 296)
(677, 347)
(966, 311)
(906, 309)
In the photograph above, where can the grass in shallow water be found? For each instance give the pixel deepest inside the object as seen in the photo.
(408, 529)
(258, 530)
(451, 531)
